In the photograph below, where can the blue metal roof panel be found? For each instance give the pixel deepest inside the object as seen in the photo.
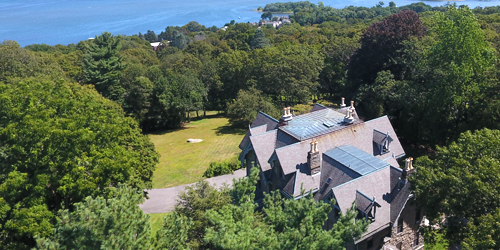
(356, 159)
(314, 124)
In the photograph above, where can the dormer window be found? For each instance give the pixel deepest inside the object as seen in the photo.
(367, 207)
(382, 140)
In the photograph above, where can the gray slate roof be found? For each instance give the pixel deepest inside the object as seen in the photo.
(380, 137)
(375, 184)
(263, 146)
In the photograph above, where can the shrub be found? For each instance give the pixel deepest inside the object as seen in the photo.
(222, 168)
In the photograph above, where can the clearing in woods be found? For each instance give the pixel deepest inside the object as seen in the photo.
(182, 162)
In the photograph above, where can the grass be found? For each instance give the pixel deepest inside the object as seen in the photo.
(182, 162)
(156, 221)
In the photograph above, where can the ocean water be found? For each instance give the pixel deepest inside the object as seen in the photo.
(70, 21)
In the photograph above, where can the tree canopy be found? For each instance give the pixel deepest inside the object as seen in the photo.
(100, 223)
(463, 181)
(62, 142)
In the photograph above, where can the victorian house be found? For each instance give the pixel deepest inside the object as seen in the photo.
(336, 155)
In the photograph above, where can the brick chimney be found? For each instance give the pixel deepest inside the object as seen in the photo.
(314, 158)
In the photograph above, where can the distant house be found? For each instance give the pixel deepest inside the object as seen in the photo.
(336, 155)
(155, 45)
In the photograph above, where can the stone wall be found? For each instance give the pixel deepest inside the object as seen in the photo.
(406, 239)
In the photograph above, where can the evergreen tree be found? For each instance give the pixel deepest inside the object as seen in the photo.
(102, 66)
(99, 223)
(259, 40)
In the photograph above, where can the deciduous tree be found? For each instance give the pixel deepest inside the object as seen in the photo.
(62, 142)
(462, 182)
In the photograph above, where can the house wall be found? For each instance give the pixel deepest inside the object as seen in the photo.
(377, 241)
(410, 229)
(278, 180)
(250, 161)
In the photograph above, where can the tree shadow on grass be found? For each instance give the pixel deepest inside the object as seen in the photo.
(230, 129)
(165, 131)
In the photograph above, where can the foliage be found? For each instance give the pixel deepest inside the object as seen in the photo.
(102, 66)
(99, 223)
(461, 64)
(283, 224)
(174, 233)
(193, 204)
(259, 40)
(62, 142)
(243, 110)
(381, 48)
(466, 170)
(484, 232)
(222, 168)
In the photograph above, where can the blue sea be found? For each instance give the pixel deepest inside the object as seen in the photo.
(70, 21)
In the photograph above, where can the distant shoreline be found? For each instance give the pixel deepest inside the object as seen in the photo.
(286, 12)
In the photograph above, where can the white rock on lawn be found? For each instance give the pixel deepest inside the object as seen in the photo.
(194, 140)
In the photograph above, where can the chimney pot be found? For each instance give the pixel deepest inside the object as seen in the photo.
(343, 103)
(352, 105)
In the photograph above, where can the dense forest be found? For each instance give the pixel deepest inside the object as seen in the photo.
(73, 118)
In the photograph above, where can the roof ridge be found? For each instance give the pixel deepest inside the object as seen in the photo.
(268, 116)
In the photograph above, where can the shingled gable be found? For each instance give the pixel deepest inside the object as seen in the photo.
(262, 123)
(375, 184)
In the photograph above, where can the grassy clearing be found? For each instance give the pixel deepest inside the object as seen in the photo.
(156, 221)
(182, 162)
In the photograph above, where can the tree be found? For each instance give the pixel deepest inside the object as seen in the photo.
(62, 142)
(267, 15)
(381, 46)
(99, 223)
(193, 204)
(102, 66)
(244, 108)
(259, 40)
(461, 68)
(174, 234)
(484, 232)
(465, 172)
(287, 73)
(180, 40)
(283, 223)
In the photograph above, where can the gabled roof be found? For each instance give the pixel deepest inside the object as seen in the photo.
(363, 202)
(380, 138)
(375, 184)
(356, 159)
(315, 124)
(263, 146)
(263, 118)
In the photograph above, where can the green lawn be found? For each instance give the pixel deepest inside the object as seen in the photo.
(156, 221)
(182, 162)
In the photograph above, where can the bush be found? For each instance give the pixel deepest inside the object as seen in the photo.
(222, 168)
